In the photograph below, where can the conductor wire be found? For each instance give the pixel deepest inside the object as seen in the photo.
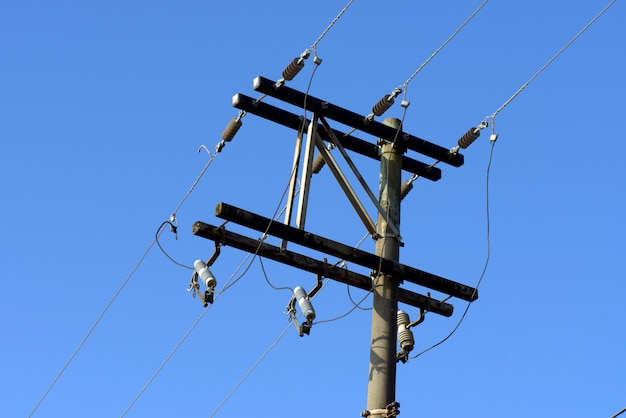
(317, 41)
(254, 366)
(182, 340)
(406, 83)
(482, 275)
(122, 286)
(571, 41)
(249, 372)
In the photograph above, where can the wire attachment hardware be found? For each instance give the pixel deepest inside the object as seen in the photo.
(383, 105)
(306, 307)
(389, 411)
(407, 186)
(469, 137)
(230, 131)
(202, 272)
(294, 67)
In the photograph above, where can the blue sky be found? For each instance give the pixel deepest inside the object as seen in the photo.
(104, 105)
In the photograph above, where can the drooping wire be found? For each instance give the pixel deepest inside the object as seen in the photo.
(356, 305)
(267, 279)
(119, 290)
(571, 41)
(156, 238)
(482, 275)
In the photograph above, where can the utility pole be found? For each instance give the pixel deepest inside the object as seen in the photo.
(381, 390)
(387, 273)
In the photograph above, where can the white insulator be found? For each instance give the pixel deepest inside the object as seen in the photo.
(205, 274)
(405, 335)
(305, 304)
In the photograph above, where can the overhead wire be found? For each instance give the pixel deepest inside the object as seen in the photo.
(249, 372)
(332, 23)
(122, 286)
(182, 340)
(484, 270)
(412, 76)
(555, 56)
(254, 366)
(156, 238)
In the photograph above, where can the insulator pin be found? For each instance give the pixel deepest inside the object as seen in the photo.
(383, 105)
(406, 187)
(318, 163)
(468, 137)
(293, 69)
(231, 129)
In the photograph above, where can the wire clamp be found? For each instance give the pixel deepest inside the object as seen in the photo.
(389, 411)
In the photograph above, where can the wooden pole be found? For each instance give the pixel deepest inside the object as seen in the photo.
(381, 390)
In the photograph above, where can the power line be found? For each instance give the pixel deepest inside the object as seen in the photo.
(124, 283)
(571, 41)
(249, 372)
(93, 327)
(317, 41)
(184, 337)
(406, 83)
(169, 356)
(254, 366)
(482, 275)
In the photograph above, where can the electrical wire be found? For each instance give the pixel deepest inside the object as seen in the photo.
(169, 356)
(619, 413)
(412, 76)
(268, 280)
(182, 340)
(482, 275)
(254, 366)
(156, 238)
(93, 327)
(571, 41)
(317, 41)
(119, 290)
(249, 372)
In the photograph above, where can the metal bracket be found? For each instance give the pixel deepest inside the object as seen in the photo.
(389, 411)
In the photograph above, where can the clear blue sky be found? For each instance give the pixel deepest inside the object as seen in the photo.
(103, 106)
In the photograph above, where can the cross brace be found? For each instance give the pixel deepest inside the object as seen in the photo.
(354, 120)
(398, 271)
(219, 234)
(350, 142)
